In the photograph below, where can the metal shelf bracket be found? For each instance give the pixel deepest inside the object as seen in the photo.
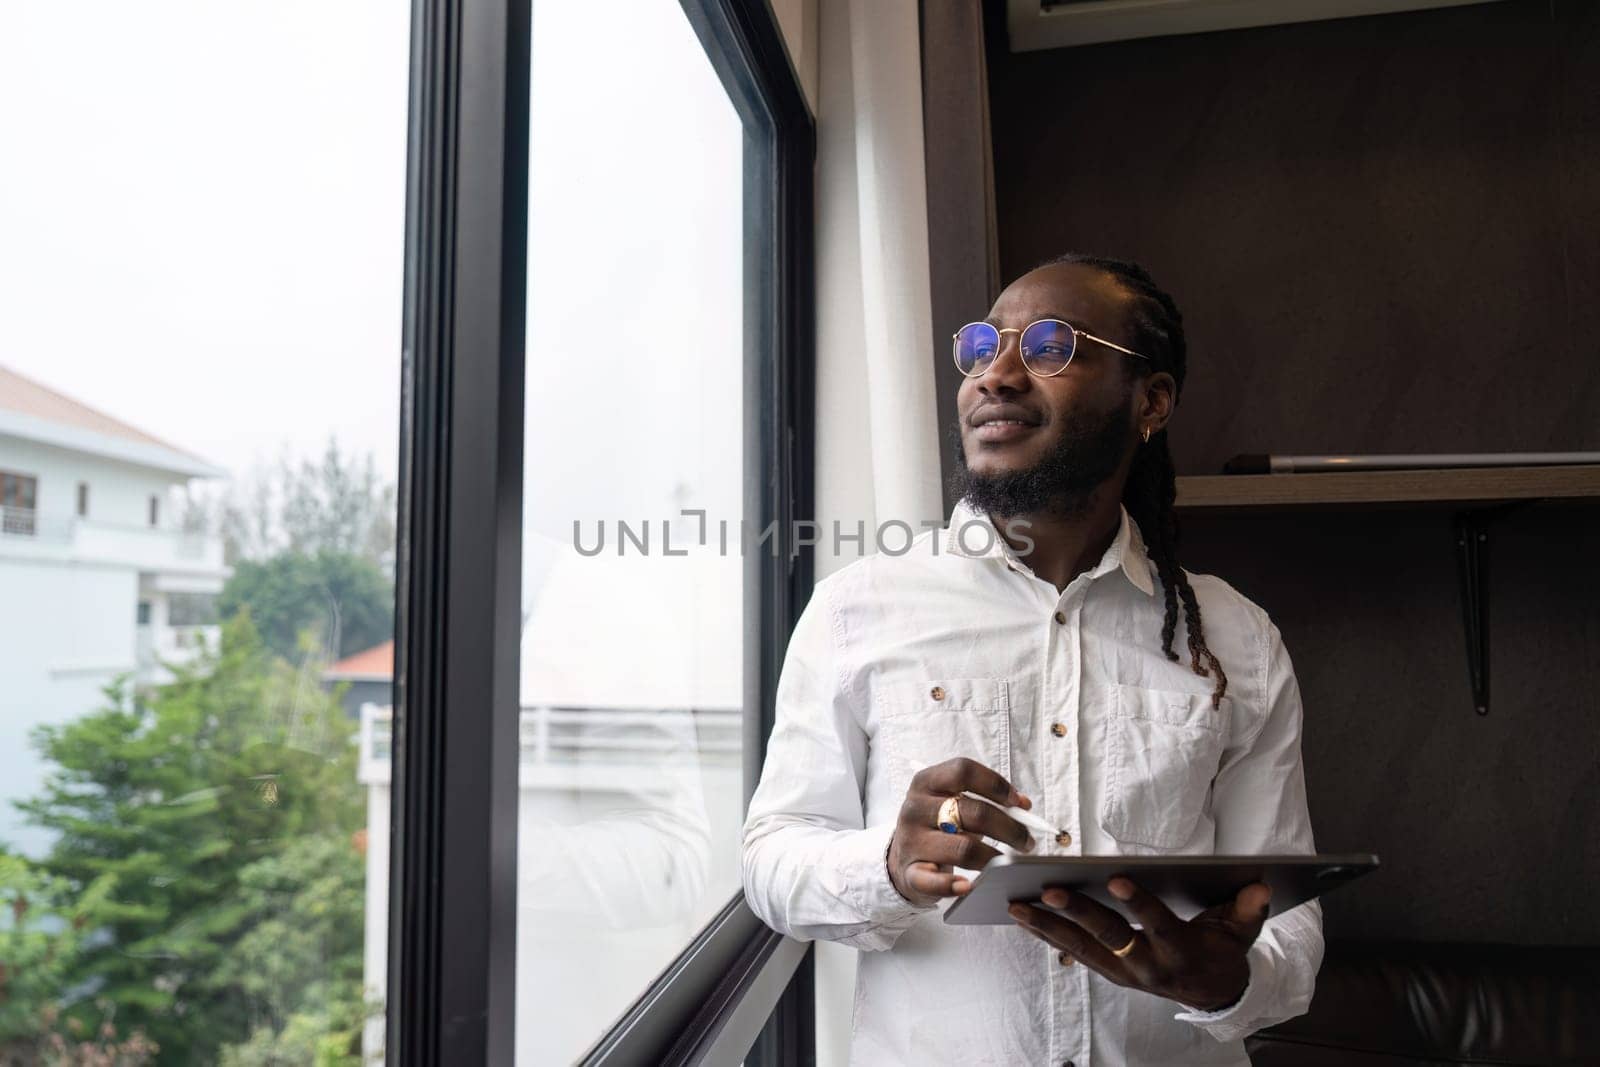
(1471, 530)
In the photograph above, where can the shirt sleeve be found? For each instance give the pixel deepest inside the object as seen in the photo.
(1259, 802)
(811, 867)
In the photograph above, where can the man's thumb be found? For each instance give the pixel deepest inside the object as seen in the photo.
(1250, 907)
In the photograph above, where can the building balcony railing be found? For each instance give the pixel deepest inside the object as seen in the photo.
(158, 648)
(19, 522)
(557, 738)
(154, 548)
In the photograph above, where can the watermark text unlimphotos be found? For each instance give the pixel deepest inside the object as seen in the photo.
(673, 537)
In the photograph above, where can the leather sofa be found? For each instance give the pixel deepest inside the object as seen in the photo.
(1382, 1004)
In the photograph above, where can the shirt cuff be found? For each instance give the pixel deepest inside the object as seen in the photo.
(1234, 1022)
(877, 895)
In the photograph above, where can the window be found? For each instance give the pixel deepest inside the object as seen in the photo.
(475, 721)
(185, 867)
(18, 490)
(191, 609)
(633, 686)
(18, 503)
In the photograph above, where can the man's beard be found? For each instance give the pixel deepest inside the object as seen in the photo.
(1063, 482)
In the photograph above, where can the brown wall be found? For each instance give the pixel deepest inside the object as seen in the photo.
(964, 267)
(1383, 231)
(1385, 235)
(1488, 827)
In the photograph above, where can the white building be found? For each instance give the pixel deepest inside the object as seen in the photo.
(96, 578)
(631, 789)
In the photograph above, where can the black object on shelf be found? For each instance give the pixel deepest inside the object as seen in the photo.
(1275, 463)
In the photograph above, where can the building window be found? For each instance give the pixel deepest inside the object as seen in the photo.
(155, 511)
(19, 495)
(83, 500)
(143, 617)
(191, 609)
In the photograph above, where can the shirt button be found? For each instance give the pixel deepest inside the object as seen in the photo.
(937, 692)
(1059, 729)
(1066, 960)
(1061, 617)
(1063, 839)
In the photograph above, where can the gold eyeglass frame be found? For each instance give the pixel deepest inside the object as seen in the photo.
(955, 339)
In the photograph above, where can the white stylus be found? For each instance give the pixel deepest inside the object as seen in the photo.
(1022, 815)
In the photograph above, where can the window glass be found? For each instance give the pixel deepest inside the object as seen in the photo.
(18, 513)
(632, 644)
(191, 609)
(200, 313)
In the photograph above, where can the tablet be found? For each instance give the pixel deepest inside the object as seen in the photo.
(1187, 884)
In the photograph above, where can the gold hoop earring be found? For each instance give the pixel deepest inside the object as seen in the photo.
(1147, 435)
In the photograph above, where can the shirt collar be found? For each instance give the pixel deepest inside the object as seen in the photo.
(1127, 551)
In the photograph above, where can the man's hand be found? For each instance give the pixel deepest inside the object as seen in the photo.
(921, 855)
(1200, 963)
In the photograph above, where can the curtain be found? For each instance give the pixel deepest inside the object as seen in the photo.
(877, 418)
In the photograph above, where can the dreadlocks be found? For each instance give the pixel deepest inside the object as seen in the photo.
(1152, 485)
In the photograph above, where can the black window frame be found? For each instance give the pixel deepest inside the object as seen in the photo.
(739, 989)
(83, 500)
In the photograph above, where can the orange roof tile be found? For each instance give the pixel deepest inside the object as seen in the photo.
(27, 397)
(377, 662)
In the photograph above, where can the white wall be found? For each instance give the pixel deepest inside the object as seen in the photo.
(119, 493)
(797, 20)
(65, 632)
(375, 955)
(69, 598)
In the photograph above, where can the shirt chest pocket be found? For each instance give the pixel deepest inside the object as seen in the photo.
(1163, 749)
(921, 723)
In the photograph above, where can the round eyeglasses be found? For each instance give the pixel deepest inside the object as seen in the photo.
(1047, 346)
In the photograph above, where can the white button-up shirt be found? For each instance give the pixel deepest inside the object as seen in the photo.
(1144, 766)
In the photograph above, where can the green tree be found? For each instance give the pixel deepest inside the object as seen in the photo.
(301, 961)
(203, 855)
(345, 601)
(337, 504)
(334, 504)
(41, 934)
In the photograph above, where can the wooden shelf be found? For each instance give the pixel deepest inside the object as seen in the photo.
(1476, 485)
(1473, 492)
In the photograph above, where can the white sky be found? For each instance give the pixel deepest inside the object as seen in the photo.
(635, 279)
(202, 216)
(201, 233)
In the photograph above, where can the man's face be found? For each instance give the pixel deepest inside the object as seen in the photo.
(1077, 427)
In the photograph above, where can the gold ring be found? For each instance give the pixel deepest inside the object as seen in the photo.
(949, 816)
(1125, 949)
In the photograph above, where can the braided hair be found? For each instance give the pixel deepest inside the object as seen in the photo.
(1152, 487)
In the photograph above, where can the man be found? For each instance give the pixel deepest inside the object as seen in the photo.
(1026, 653)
